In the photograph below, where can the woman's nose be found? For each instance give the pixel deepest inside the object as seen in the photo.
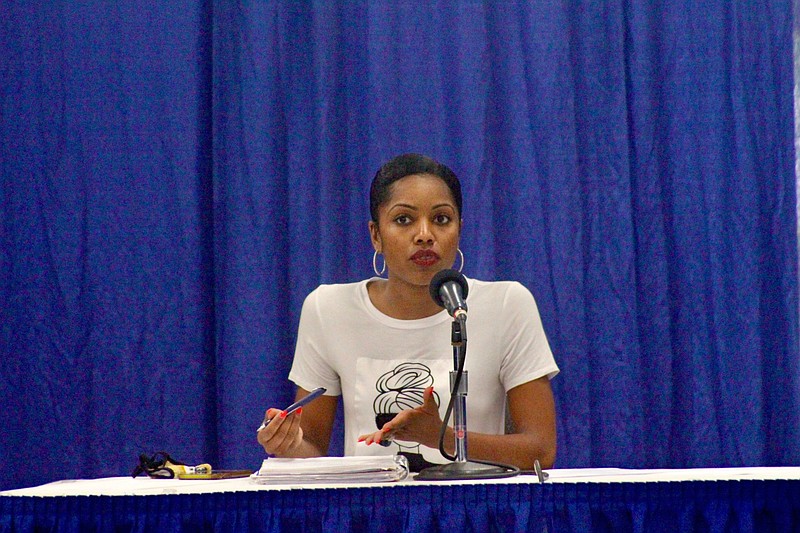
(424, 233)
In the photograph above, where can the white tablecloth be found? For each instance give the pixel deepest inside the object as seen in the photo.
(143, 486)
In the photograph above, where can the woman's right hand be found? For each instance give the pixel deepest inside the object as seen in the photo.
(283, 432)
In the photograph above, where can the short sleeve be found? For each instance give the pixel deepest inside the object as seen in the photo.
(311, 368)
(527, 355)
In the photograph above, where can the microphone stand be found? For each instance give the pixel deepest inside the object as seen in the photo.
(462, 468)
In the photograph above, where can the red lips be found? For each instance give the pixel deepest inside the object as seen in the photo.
(425, 257)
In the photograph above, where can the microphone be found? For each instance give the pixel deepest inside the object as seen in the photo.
(449, 289)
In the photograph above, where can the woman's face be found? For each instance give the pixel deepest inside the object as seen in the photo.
(418, 229)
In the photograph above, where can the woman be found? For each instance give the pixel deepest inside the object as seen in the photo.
(384, 345)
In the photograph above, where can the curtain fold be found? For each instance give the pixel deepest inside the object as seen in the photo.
(176, 179)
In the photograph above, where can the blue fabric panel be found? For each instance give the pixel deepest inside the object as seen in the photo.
(176, 177)
(744, 506)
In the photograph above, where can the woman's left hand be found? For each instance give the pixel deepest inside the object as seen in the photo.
(420, 424)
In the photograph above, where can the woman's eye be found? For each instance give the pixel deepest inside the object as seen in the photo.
(403, 220)
(442, 219)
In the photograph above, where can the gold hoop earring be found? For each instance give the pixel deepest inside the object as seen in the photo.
(461, 255)
(375, 264)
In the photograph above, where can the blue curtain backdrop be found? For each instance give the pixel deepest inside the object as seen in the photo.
(177, 176)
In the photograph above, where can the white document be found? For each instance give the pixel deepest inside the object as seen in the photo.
(355, 469)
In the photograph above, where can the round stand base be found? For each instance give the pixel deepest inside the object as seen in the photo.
(467, 470)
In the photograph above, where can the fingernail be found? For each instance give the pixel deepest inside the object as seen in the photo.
(283, 414)
(299, 410)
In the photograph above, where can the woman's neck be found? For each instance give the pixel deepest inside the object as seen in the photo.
(401, 300)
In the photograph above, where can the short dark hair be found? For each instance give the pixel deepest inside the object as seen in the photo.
(407, 165)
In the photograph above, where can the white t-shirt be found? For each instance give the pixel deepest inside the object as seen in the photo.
(382, 365)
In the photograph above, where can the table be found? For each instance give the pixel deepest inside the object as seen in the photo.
(726, 499)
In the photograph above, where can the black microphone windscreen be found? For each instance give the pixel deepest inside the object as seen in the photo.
(442, 277)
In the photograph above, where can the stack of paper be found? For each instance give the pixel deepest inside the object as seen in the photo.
(358, 469)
